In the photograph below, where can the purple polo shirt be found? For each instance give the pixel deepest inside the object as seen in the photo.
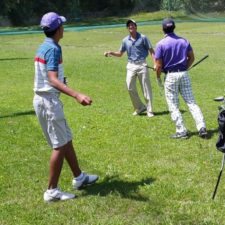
(173, 51)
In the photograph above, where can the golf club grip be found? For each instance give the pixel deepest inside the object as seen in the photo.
(153, 68)
(150, 67)
(217, 184)
(199, 61)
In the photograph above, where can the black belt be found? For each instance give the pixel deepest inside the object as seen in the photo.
(174, 71)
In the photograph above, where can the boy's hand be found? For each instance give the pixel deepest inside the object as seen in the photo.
(107, 54)
(83, 99)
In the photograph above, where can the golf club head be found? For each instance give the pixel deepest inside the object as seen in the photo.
(219, 99)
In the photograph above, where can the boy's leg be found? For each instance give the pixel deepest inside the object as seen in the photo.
(132, 89)
(146, 88)
(71, 158)
(171, 93)
(56, 163)
(80, 179)
(53, 193)
(186, 92)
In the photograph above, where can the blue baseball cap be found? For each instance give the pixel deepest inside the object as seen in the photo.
(51, 21)
(167, 23)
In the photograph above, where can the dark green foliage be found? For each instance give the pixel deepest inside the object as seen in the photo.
(26, 12)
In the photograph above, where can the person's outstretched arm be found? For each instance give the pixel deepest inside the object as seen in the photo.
(110, 53)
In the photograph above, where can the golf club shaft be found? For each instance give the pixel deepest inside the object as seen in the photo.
(217, 184)
(199, 61)
(150, 67)
(218, 180)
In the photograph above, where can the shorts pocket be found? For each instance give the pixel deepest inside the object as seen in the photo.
(55, 109)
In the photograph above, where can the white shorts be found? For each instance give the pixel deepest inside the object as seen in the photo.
(49, 110)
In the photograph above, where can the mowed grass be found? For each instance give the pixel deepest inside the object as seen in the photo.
(145, 177)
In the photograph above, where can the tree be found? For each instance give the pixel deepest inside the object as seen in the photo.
(172, 5)
(26, 12)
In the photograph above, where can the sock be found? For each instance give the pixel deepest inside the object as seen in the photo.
(80, 176)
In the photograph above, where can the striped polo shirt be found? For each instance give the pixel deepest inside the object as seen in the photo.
(48, 58)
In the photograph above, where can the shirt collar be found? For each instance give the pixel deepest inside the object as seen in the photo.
(170, 35)
(50, 40)
(138, 35)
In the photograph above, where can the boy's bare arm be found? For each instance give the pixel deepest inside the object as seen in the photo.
(56, 83)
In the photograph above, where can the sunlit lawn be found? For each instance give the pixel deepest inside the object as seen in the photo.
(145, 177)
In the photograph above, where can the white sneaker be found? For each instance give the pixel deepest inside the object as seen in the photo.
(56, 194)
(85, 180)
(139, 111)
(150, 114)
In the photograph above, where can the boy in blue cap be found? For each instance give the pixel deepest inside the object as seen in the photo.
(48, 84)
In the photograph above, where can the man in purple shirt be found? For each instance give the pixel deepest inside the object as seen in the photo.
(173, 56)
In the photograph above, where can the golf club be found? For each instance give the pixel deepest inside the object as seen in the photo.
(218, 180)
(199, 61)
(150, 67)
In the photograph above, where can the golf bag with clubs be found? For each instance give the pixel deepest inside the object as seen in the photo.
(220, 144)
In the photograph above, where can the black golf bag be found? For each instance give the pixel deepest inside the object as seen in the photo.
(220, 144)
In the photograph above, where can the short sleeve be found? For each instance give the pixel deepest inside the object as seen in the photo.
(147, 43)
(158, 51)
(53, 58)
(123, 46)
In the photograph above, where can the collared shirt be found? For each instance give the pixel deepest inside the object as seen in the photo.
(173, 51)
(137, 50)
(48, 58)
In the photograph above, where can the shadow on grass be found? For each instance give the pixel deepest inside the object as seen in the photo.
(209, 135)
(9, 59)
(124, 189)
(162, 113)
(26, 113)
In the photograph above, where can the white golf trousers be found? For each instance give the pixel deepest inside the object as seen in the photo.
(139, 71)
(176, 83)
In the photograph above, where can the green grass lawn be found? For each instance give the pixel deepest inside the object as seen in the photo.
(145, 177)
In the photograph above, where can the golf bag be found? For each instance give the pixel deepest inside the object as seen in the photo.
(220, 144)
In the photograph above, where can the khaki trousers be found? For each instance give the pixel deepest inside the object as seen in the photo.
(140, 71)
